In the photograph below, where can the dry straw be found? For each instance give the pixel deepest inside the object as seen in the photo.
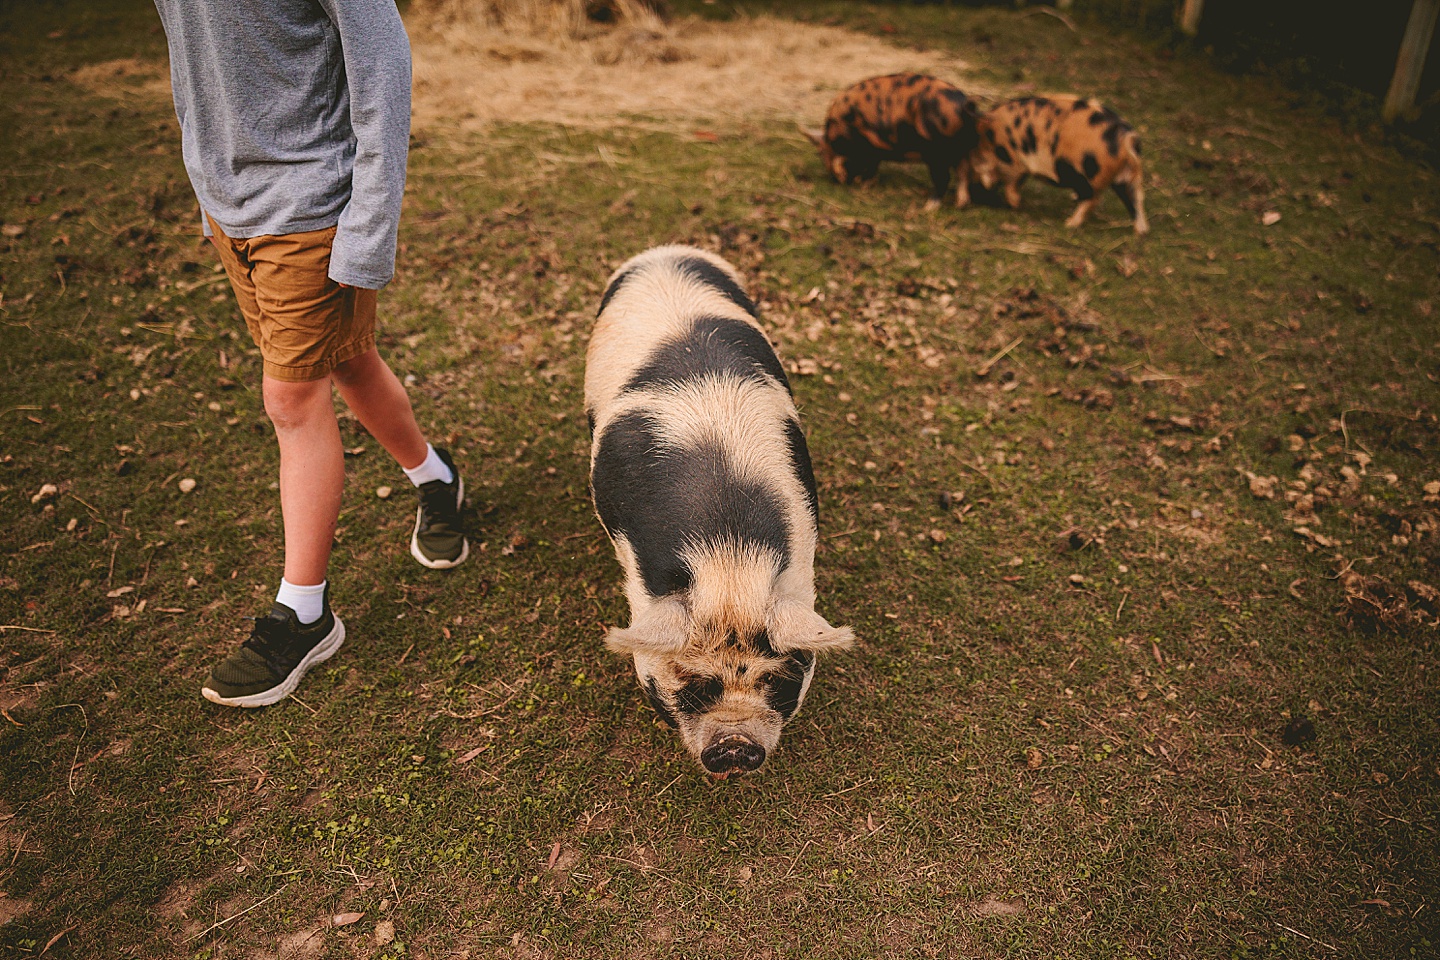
(589, 62)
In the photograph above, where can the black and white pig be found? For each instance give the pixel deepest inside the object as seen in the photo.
(702, 479)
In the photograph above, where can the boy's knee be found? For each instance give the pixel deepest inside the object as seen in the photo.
(295, 405)
(357, 370)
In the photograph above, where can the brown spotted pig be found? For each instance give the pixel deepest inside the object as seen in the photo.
(905, 117)
(1074, 142)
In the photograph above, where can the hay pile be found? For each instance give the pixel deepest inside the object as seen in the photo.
(591, 62)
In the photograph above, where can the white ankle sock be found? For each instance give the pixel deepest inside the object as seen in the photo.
(432, 469)
(307, 602)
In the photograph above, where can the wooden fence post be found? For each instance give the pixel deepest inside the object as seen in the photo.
(1411, 62)
(1190, 17)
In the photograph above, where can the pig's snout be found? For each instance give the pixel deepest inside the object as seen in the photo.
(732, 754)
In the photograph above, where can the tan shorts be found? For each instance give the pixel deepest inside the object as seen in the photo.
(304, 323)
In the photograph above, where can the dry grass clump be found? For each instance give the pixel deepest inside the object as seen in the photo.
(606, 31)
(1372, 604)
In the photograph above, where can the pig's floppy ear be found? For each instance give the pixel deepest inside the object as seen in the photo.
(795, 626)
(663, 628)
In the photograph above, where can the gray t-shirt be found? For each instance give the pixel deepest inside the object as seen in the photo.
(294, 116)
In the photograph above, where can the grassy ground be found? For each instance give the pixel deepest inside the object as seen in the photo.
(1113, 698)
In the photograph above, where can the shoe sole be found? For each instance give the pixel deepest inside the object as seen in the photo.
(440, 564)
(321, 652)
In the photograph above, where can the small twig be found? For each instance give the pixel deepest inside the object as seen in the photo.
(93, 512)
(1053, 13)
(796, 858)
(110, 574)
(19, 847)
(1122, 605)
(837, 793)
(401, 661)
(70, 780)
(16, 626)
(984, 369)
(842, 533)
(669, 785)
(216, 926)
(1306, 936)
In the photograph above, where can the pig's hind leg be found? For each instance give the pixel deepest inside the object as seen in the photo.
(939, 181)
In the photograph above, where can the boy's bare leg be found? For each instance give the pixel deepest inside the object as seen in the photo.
(312, 473)
(378, 399)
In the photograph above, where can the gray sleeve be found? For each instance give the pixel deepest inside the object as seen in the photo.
(376, 52)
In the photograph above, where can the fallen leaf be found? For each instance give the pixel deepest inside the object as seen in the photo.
(345, 919)
(13, 230)
(1270, 217)
(469, 755)
(554, 856)
(998, 908)
(119, 592)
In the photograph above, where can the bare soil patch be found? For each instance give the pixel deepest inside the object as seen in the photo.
(126, 77)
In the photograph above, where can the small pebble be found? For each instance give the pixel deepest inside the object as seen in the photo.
(187, 485)
(383, 492)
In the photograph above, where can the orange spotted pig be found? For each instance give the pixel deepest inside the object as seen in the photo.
(905, 117)
(1074, 142)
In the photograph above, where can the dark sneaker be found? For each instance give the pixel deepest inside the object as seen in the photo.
(270, 664)
(439, 542)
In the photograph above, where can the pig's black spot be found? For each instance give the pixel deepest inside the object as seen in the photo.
(663, 499)
(1136, 144)
(782, 688)
(1027, 143)
(1090, 165)
(713, 345)
(990, 134)
(800, 464)
(657, 702)
(1067, 176)
(615, 286)
(698, 695)
(1054, 144)
(590, 420)
(712, 276)
(1003, 155)
(1111, 136)
(1099, 118)
(761, 645)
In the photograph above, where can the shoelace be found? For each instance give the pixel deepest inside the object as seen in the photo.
(438, 502)
(266, 641)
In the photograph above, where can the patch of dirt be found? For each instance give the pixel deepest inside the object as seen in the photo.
(469, 72)
(12, 909)
(300, 945)
(127, 77)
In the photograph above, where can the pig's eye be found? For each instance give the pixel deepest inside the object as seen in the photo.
(698, 694)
